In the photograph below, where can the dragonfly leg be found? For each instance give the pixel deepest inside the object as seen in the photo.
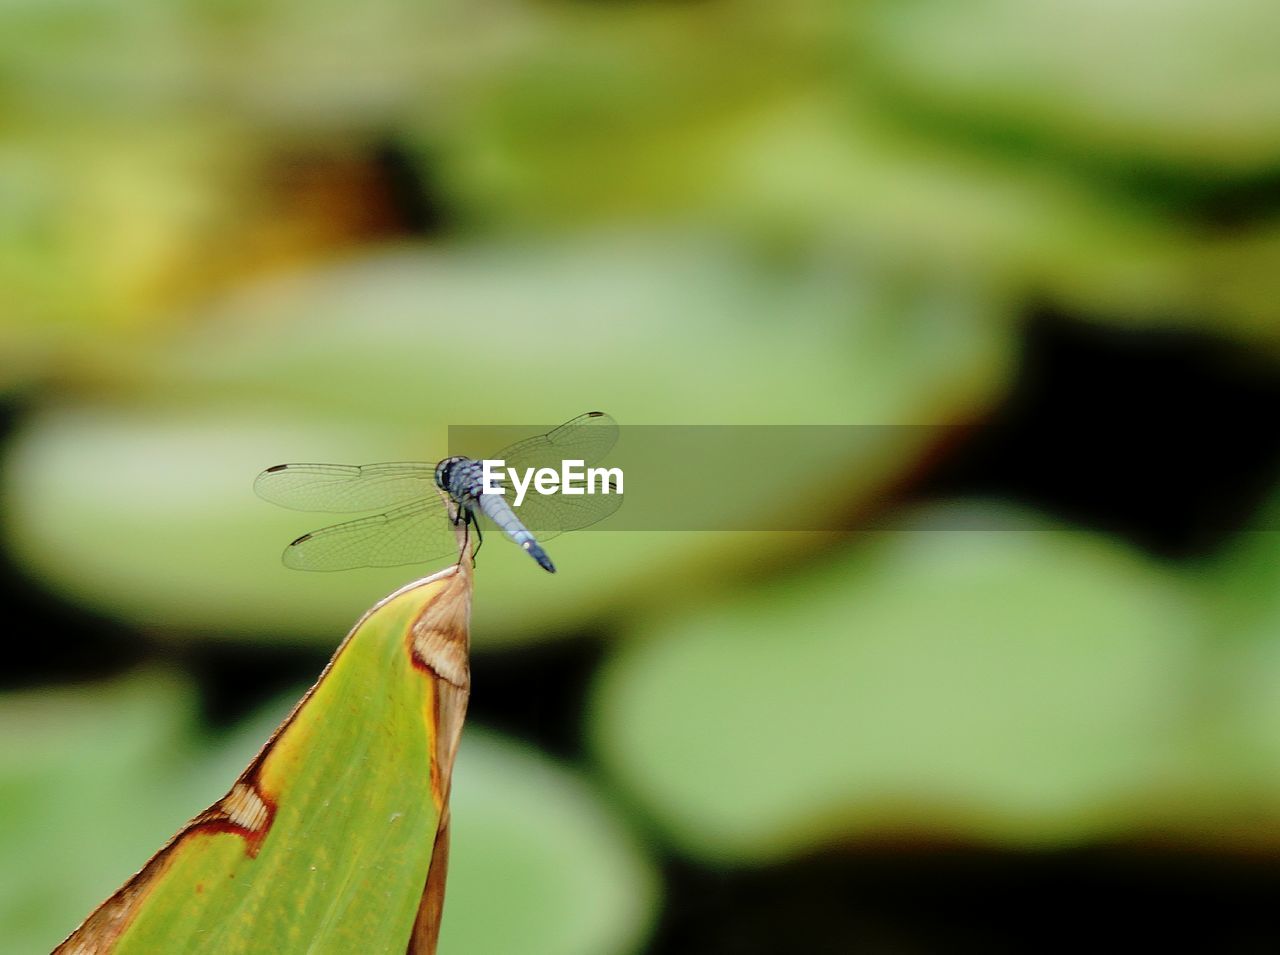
(475, 522)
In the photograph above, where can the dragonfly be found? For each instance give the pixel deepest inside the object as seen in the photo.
(418, 524)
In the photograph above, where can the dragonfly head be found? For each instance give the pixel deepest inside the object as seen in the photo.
(444, 471)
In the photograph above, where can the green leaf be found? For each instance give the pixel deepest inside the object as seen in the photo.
(531, 839)
(335, 837)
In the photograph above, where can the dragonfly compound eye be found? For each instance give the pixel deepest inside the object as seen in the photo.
(444, 471)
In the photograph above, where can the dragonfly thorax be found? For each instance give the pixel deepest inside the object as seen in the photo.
(460, 477)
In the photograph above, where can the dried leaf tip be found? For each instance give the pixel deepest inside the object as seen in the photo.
(440, 638)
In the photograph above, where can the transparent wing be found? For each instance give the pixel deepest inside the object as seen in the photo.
(411, 534)
(588, 438)
(345, 487)
(549, 514)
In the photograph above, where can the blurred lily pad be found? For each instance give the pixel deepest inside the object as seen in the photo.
(299, 66)
(138, 500)
(600, 113)
(627, 115)
(1193, 84)
(538, 863)
(103, 232)
(1241, 698)
(1026, 686)
(87, 794)
(1031, 229)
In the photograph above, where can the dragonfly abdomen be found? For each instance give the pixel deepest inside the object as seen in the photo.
(496, 508)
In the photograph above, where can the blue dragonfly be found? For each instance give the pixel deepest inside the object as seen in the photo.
(419, 524)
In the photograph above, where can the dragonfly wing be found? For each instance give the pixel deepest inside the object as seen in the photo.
(411, 534)
(549, 514)
(588, 438)
(345, 487)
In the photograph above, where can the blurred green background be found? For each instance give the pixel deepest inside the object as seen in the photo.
(1042, 703)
